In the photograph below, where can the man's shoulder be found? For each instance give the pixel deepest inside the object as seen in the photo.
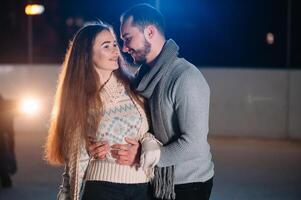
(182, 67)
(187, 75)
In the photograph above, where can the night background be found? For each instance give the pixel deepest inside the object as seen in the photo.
(209, 32)
(249, 52)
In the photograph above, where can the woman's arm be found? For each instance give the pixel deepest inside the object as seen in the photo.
(65, 187)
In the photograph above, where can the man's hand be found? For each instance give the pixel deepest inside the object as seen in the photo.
(98, 150)
(127, 154)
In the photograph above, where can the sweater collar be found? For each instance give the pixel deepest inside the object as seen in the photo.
(112, 88)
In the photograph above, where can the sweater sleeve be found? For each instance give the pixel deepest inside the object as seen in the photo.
(150, 151)
(191, 106)
(65, 190)
(83, 162)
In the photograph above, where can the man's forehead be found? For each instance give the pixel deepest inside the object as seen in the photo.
(127, 27)
(127, 22)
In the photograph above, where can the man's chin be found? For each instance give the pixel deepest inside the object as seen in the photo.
(139, 61)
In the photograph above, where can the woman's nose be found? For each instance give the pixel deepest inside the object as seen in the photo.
(116, 50)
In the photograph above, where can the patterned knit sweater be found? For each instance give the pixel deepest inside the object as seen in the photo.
(122, 117)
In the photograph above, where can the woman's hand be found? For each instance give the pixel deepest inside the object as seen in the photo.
(99, 149)
(127, 154)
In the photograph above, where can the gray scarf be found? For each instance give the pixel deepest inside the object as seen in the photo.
(150, 84)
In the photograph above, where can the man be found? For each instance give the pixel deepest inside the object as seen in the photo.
(178, 100)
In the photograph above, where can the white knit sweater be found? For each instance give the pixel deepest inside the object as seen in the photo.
(122, 117)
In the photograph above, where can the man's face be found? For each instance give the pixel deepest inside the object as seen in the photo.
(134, 42)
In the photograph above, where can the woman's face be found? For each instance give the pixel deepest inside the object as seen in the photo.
(105, 52)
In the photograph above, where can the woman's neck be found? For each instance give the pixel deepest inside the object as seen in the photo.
(104, 76)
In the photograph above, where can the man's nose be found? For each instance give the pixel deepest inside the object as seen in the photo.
(125, 49)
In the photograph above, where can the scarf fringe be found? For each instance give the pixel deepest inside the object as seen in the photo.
(163, 183)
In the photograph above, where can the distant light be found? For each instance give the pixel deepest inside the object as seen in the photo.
(79, 22)
(69, 21)
(270, 38)
(34, 9)
(30, 106)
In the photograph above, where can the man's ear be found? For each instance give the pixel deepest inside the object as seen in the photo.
(149, 31)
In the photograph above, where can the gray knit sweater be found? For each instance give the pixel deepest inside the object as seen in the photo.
(178, 97)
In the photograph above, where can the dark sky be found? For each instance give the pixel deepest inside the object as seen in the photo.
(209, 32)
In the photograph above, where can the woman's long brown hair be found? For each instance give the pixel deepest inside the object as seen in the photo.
(77, 108)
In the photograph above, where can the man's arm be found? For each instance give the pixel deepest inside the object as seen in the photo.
(191, 103)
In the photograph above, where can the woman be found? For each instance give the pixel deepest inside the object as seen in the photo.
(94, 104)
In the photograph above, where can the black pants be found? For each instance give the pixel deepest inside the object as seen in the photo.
(194, 191)
(100, 190)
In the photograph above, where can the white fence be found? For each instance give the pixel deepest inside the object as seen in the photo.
(244, 102)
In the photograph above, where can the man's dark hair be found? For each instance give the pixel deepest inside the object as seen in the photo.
(144, 15)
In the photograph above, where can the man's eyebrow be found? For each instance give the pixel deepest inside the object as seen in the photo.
(124, 35)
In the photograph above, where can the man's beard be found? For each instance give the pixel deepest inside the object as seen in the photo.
(142, 53)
